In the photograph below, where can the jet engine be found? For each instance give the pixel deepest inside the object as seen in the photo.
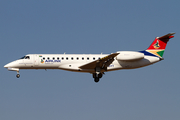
(129, 55)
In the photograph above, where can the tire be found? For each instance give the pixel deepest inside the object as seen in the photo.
(94, 75)
(18, 75)
(100, 75)
(96, 79)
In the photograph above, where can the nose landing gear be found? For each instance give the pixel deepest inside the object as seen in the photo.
(18, 75)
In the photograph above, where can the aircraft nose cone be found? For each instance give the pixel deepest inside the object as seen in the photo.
(11, 64)
(6, 66)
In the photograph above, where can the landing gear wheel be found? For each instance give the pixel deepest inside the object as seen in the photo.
(96, 79)
(97, 76)
(100, 75)
(18, 75)
(94, 75)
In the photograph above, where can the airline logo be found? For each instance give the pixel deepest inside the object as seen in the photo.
(42, 61)
(156, 45)
(50, 61)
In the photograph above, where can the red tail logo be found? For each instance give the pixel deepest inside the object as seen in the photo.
(156, 45)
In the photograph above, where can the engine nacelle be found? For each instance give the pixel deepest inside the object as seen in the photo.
(129, 55)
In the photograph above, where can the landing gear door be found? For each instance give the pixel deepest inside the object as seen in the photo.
(36, 60)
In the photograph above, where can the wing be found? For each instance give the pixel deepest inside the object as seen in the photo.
(103, 63)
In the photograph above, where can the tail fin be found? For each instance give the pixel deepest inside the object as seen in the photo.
(159, 44)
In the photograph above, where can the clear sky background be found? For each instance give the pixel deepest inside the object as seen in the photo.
(90, 27)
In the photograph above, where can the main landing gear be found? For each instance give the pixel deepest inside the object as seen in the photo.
(97, 76)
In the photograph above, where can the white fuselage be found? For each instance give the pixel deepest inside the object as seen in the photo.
(72, 62)
(96, 64)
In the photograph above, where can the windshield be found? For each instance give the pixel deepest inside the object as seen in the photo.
(25, 57)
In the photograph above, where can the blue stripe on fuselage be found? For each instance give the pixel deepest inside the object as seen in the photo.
(148, 53)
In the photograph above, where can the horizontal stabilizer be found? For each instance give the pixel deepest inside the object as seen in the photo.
(166, 37)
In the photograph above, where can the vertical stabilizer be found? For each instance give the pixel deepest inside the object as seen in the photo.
(159, 44)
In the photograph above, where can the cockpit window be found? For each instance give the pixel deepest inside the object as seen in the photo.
(25, 57)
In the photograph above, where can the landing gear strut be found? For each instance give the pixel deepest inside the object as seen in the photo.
(97, 76)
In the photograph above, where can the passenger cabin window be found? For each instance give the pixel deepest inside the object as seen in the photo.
(67, 58)
(87, 58)
(77, 58)
(43, 58)
(62, 58)
(48, 58)
(58, 58)
(53, 58)
(93, 58)
(72, 58)
(82, 58)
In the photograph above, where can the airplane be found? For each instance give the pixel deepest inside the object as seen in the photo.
(96, 64)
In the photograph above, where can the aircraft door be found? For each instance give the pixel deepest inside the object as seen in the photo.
(36, 60)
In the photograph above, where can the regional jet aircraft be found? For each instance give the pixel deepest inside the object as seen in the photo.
(96, 64)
